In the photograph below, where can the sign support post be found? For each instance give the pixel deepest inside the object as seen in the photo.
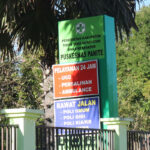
(108, 73)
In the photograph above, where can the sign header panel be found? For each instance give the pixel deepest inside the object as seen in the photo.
(77, 113)
(73, 80)
(81, 39)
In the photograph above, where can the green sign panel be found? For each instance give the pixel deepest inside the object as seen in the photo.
(89, 39)
(81, 39)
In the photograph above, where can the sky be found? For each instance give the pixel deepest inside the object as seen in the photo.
(145, 3)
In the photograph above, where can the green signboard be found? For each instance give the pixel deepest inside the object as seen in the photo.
(81, 39)
(93, 38)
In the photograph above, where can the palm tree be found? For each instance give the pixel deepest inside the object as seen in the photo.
(34, 22)
(6, 46)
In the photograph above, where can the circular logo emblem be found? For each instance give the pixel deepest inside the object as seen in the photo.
(80, 28)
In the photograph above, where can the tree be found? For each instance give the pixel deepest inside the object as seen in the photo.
(9, 83)
(6, 46)
(30, 94)
(33, 23)
(133, 59)
(20, 84)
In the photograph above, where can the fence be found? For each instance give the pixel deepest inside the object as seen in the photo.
(54, 138)
(138, 140)
(50, 138)
(8, 136)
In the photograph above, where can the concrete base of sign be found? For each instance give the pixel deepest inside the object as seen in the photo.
(25, 119)
(120, 126)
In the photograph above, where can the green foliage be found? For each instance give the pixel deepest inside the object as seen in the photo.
(31, 77)
(133, 59)
(20, 84)
(33, 24)
(9, 84)
(6, 46)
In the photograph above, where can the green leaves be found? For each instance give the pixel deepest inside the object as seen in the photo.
(30, 90)
(6, 46)
(133, 63)
(9, 81)
(20, 84)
